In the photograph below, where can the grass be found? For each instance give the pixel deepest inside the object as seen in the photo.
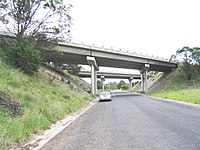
(75, 79)
(188, 95)
(42, 101)
(180, 89)
(78, 80)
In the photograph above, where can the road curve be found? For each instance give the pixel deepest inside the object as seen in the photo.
(132, 122)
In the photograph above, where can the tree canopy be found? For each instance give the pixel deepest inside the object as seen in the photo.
(30, 17)
(99, 84)
(39, 24)
(190, 63)
(121, 84)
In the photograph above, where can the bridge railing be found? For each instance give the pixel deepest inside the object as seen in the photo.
(119, 50)
(97, 47)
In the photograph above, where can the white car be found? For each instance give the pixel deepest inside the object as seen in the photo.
(105, 96)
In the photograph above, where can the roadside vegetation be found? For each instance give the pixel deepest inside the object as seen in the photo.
(185, 86)
(42, 99)
(30, 99)
(122, 85)
(180, 89)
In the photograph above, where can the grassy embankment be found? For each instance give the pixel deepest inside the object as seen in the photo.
(43, 101)
(180, 89)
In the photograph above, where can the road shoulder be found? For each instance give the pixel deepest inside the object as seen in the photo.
(39, 140)
(174, 101)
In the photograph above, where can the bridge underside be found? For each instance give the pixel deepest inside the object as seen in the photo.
(71, 55)
(105, 62)
(74, 53)
(110, 77)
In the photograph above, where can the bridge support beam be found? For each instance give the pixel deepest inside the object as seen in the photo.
(143, 72)
(130, 84)
(102, 81)
(94, 68)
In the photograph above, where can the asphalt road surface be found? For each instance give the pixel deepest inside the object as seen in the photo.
(132, 122)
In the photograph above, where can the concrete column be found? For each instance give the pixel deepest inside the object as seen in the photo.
(93, 79)
(142, 82)
(94, 67)
(102, 81)
(143, 72)
(130, 84)
(145, 81)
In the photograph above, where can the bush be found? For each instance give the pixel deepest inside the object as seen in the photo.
(71, 86)
(124, 87)
(23, 55)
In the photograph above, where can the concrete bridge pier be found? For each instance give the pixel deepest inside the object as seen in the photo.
(93, 80)
(94, 68)
(144, 72)
(142, 81)
(130, 84)
(102, 81)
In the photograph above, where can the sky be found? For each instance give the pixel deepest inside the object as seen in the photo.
(153, 27)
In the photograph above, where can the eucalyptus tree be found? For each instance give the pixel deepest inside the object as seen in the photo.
(190, 61)
(37, 25)
(186, 54)
(30, 17)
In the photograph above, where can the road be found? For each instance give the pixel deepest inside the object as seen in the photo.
(132, 122)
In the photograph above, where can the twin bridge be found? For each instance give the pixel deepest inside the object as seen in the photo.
(79, 53)
(111, 75)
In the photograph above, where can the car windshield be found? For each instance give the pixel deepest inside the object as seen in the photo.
(105, 94)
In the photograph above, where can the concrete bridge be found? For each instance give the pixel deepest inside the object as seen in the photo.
(107, 57)
(95, 56)
(111, 75)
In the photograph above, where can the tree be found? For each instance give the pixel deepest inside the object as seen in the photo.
(124, 87)
(107, 86)
(113, 85)
(23, 55)
(71, 68)
(196, 57)
(30, 17)
(40, 22)
(99, 84)
(120, 84)
(173, 58)
(186, 53)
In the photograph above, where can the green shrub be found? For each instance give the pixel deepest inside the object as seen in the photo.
(71, 86)
(23, 55)
(66, 96)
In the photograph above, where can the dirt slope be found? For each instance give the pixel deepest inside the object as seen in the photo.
(157, 82)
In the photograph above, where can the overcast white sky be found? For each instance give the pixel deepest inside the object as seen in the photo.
(154, 27)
